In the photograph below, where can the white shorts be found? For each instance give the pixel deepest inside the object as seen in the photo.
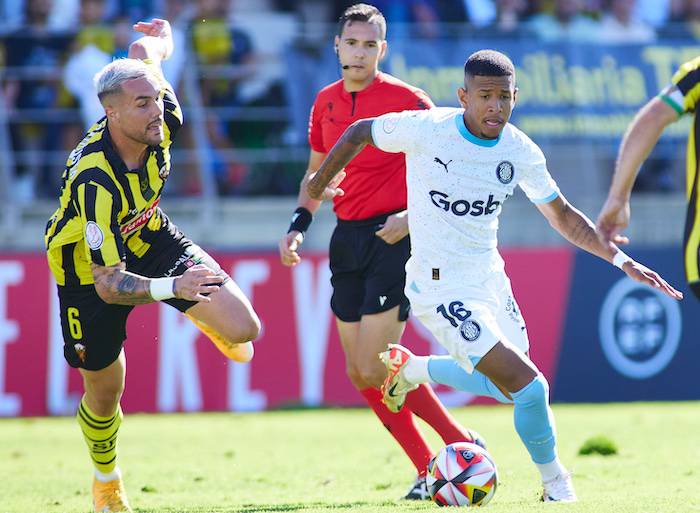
(469, 320)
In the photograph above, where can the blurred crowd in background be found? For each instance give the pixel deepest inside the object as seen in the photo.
(230, 68)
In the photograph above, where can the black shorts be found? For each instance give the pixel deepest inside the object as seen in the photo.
(368, 275)
(94, 331)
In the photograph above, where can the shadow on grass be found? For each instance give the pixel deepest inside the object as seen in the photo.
(262, 508)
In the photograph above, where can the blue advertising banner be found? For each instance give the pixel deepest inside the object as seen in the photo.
(623, 341)
(565, 91)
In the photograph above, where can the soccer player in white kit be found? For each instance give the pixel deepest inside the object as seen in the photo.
(462, 164)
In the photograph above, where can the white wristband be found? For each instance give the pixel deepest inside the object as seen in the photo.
(162, 288)
(620, 259)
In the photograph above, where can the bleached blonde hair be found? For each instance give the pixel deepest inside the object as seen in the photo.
(109, 79)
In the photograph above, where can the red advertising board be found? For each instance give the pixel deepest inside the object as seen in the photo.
(298, 360)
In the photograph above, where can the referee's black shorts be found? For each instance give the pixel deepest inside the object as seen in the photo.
(94, 331)
(367, 274)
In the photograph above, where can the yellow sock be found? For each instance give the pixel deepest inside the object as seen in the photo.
(100, 434)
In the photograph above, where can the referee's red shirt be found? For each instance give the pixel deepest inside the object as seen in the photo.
(376, 181)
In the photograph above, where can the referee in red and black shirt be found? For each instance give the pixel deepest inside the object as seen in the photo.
(370, 245)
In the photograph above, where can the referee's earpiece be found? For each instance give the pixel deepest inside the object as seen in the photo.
(335, 49)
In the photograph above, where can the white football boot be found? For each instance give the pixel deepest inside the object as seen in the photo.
(559, 489)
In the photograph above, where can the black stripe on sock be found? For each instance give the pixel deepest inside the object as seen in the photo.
(93, 419)
(101, 462)
(93, 451)
(94, 440)
(93, 426)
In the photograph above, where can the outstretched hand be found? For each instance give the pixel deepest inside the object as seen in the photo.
(159, 29)
(641, 273)
(155, 28)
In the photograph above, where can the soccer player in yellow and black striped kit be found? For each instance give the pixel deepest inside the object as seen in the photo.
(678, 98)
(111, 247)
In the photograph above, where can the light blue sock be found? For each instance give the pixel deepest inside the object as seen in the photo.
(534, 421)
(446, 371)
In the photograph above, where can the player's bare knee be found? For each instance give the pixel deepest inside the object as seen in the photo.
(243, 330)
(535, 392)
(513, 378)
(255, 327)
(104, 400)
(372, 375)
(512, 382)
(249, 329)
(355, 376)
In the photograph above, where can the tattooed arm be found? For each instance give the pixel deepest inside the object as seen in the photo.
(575, 227)
(580, 231)
(354, 139)
(115, 285)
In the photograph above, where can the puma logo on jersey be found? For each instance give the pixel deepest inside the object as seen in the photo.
(437, 160)
(382, 300)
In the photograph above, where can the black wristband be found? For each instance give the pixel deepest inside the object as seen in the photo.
(301, 220)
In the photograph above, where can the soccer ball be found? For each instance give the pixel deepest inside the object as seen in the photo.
(462, 474)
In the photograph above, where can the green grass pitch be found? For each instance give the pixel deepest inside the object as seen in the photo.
(342, 460)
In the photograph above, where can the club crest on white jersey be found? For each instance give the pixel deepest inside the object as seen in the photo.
(505, 172)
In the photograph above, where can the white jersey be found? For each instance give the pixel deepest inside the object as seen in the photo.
(457, 184)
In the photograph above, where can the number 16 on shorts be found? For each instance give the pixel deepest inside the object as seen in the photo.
(458, 316)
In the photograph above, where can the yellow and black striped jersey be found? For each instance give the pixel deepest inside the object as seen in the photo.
(684, 91)
(683, 94)
(104, 207)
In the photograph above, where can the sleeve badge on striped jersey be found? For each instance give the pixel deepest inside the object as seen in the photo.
(93, 235)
